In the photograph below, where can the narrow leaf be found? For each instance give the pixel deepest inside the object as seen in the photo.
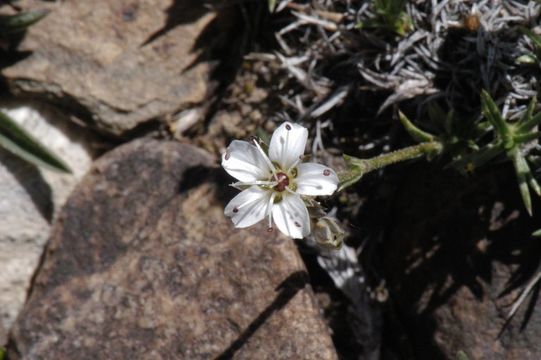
(536, 39)
(526, 138)
(529, 111)
(523, 173)
(19, 142)
(416, 133)
(19, 22)
(530, 123)
(272, 5)
(529, 286)
(477, 158)
(526, 59)
(537, 233)
(493, 114)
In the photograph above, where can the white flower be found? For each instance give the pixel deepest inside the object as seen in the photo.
(275, 183)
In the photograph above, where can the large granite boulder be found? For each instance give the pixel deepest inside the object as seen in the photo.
(118, 64)
(143, 264)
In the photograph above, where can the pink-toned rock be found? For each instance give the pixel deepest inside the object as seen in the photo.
(143, 265)
(117, 64)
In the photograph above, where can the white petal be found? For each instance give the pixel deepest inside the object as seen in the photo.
(245, 162)
(315, 179)
(248, 207)
(287, 144)
(291, 216)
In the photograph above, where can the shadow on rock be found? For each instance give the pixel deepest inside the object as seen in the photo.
(30, 178)
(287, 290)
(456, 252)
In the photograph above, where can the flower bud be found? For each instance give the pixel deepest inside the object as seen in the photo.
(328, 233)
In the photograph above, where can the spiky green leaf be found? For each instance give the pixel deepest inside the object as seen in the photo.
(416, 133)
(529, 120)
(492, 113)
(524, 177)
(19, 22)
(19, 142)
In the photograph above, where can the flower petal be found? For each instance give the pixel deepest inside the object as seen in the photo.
(249, 207)
(287, 144)
(316, 179)
(291, 216)
(245, 162)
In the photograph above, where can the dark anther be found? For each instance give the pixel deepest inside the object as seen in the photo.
(288, 127)
(327, 172)
(235, 210)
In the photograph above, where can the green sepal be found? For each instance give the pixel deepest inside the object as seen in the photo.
(355, 170)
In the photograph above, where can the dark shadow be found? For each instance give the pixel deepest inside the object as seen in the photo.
(31, 179)
(223, 41)
(196, 175)
(446, 237)
(179, 13)
(287, 290)
(353, 337)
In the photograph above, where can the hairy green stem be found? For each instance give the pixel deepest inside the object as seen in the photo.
(410, 152)
(360, 167)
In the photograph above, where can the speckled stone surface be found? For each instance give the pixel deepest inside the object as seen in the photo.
(143, 265)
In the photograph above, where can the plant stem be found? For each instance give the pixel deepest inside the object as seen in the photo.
(410, 152)
(360, 167)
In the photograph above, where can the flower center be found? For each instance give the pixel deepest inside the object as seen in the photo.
(283, 181)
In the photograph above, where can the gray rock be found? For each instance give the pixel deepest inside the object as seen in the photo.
(30, 198)
(119, 64)
(143, 264)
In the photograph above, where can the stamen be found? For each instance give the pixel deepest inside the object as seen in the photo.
(257, 182)
(267, 160)
(290, 191)
(286, 145)
(295, 164)
(326, 172)
(269, 211)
